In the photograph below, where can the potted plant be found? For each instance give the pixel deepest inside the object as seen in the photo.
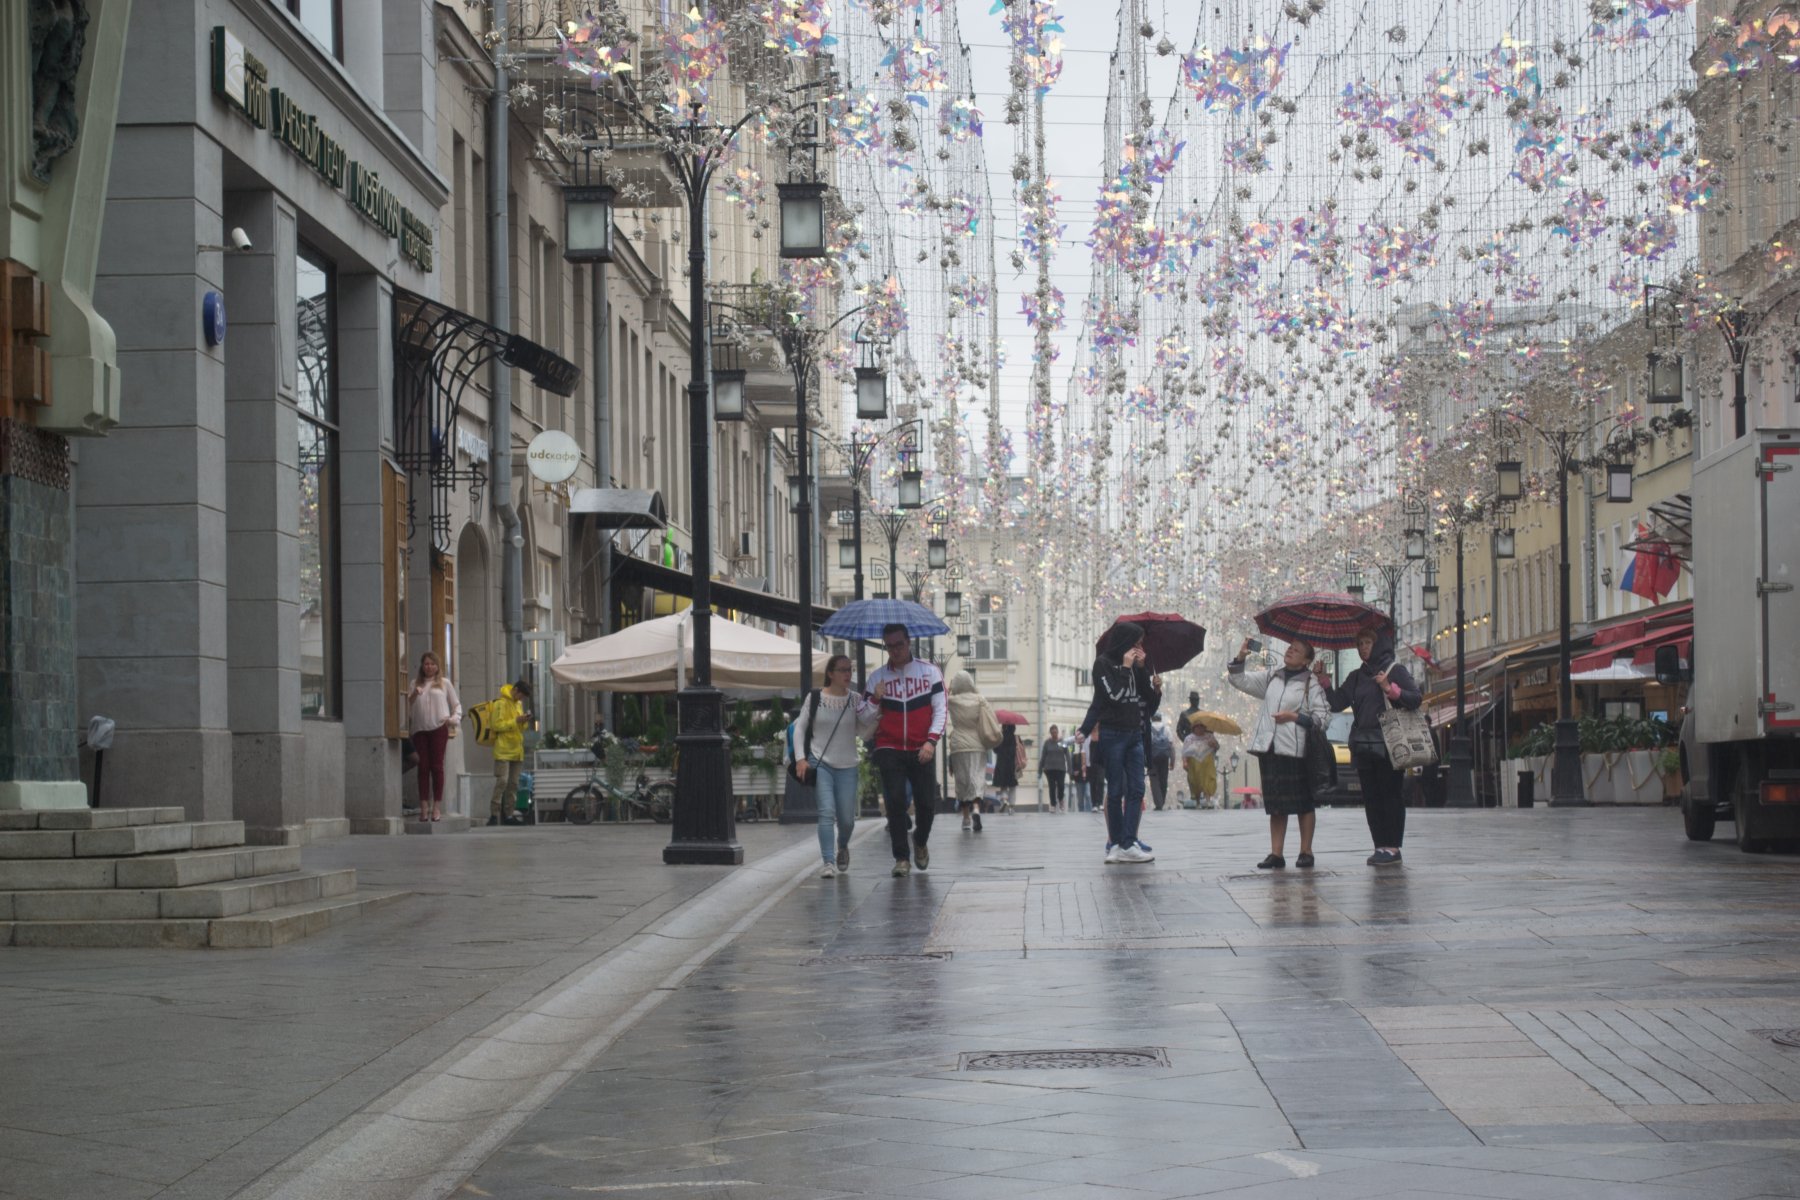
(1668, 768)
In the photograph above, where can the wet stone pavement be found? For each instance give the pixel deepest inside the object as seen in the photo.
(1538, 1004)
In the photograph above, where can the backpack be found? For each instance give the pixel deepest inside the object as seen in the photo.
(1160, 745)
(481, 720)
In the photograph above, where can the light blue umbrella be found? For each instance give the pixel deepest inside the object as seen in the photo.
(863, 620)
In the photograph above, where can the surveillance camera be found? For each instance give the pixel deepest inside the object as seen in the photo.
(239, 239)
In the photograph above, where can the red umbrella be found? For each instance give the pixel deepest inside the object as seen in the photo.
(1326, 620)
(1007, 716)
(1170, 640)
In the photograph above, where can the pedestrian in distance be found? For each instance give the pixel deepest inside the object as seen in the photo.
(1078, 773)
(1379, 682)
(972, 725)
(509, 715)
(821, 744)
(1162, 757)
(1009, 760)
(1053, 768)
(433, 713)
(910, 694)
(1292, 703)
(1125, 693)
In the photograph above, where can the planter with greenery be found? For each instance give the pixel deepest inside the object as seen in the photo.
(1619, 757)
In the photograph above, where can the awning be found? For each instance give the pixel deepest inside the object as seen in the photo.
(1487, 670)
(1617, 671)
(1630, 648)
(636, 571)
(621, 508)
(1474, 705)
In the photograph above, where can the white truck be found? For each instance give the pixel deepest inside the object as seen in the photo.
(1741, 739)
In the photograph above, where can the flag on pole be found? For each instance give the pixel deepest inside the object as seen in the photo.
(1652, 570)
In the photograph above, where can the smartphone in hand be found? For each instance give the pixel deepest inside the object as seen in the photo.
(1255, 644)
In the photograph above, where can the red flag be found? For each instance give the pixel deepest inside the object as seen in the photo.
(1668, 569)
(1643, 573)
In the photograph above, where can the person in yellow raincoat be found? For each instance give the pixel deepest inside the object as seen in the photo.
(1199, 754)
(509, 714)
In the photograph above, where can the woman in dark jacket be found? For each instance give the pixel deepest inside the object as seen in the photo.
(1125, 694)
(1369, 690)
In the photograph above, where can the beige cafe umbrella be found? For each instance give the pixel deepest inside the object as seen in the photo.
(658, 656)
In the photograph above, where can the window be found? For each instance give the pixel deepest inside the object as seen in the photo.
(316, 316)
(324, 19)
(990, 628)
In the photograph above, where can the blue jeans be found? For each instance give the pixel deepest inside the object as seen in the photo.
(837, 808)
(1121, 754)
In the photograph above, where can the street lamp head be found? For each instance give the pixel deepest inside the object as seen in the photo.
(1505, 543)
(1511, 484)
(1415, 545)
(953, 604)
(912, 488)
(796, 492)
(1665, 377)
(1618, 483)
(871, 394)
(937, 553)
(728, 395)
(1428, 597)
(847, 554)
(965, 645)
(802, 219)
(588, 223)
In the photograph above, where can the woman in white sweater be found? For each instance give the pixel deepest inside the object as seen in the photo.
(822, 746)
(434, 711)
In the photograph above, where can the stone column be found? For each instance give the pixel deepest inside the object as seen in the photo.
(269, 768)
(371, 780)
(150, 498)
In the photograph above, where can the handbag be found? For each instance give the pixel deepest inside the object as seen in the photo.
(1321, 761)
(812, 716)
(1408, 736)
(987, 727)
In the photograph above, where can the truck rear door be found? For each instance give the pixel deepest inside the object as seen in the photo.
(1779, 584)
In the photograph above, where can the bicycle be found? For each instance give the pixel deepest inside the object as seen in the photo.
(584, 802)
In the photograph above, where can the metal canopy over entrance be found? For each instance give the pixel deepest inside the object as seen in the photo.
(635, 571)
(437, 351)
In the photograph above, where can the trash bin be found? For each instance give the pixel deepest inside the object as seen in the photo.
(1527, 789)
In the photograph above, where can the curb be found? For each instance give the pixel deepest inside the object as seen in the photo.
(423, 1138)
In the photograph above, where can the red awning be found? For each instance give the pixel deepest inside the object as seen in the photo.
(1634, 648)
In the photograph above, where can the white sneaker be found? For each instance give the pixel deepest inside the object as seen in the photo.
(828, 871)
(1136, 854)
(1112, 854)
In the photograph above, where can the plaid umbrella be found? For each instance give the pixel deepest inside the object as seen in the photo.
(863, 620)
(1170, 640)
(1326, 620)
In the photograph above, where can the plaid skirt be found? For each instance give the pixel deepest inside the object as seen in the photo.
(1286, 790)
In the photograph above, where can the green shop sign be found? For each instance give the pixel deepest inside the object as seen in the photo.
(242, 81)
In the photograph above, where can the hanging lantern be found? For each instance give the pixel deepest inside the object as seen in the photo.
(847, 553)
(802, 219)
(1618, 483)
(965, 646)
(953, 604)
(871, 394)
(796, 492)
(937, 553)
(1505, 543)
(1511, 481)
(588, 223)
(1415, 545)
(1665, 378)
(728, 395)
(912, 489)
(1428, 597)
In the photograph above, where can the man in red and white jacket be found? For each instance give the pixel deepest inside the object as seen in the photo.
(911, 696)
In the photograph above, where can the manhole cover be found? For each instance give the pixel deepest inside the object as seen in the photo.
(1055, 1060)
(933, 956)
(1785, 1037)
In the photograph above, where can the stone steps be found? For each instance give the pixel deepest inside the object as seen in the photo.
(270, 927)
(204, 901)
(145, 877)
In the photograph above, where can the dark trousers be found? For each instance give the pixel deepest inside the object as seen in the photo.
(1159, 782)
(898, 768)
(1383, 803)
(1122, 754)
(430, 745)
(1055, 780)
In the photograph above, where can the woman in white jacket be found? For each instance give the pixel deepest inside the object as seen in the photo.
(821, 744)
(1292, 703)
